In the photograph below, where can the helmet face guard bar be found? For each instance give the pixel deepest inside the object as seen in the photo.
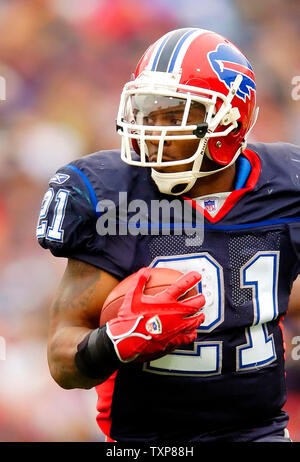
(186, 95)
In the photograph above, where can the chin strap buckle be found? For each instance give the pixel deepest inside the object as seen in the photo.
(201, 130)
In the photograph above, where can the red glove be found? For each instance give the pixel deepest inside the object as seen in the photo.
(150, 326)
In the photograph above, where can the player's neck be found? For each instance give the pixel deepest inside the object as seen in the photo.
(216, 183)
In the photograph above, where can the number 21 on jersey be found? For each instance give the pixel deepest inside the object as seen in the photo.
(260, 274)
(54, 232)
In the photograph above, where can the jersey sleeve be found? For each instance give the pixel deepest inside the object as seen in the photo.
(67, 224)
(293, 154)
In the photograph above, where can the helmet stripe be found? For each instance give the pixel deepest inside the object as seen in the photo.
(165, 38)
(178, 48)
(167, 49)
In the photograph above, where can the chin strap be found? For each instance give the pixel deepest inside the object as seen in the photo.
(166, 182)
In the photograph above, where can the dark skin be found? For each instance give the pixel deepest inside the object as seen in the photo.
(294, 302)
(77, 304)
(74, 313)
(222, 181)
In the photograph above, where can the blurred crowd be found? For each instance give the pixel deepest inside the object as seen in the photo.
(64, 63)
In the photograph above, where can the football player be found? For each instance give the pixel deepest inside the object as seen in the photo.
(214, 369)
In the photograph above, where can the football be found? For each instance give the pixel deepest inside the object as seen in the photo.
(160, 279)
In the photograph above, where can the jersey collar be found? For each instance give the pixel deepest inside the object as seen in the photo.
(248, 171)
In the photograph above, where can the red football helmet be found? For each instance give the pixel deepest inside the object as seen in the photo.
(186, 69)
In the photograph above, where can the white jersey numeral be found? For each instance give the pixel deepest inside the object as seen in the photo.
(260, 274)
(55, 231)
(205, 359)
(42, 224)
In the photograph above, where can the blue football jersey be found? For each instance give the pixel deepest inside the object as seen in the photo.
(229, 385)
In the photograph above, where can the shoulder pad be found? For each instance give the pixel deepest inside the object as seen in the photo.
(68, 216)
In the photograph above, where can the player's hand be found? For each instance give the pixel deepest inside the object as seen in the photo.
(153, 325)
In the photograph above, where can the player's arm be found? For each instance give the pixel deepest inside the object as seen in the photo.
(294, 301)
(82, 355)
(74, 313)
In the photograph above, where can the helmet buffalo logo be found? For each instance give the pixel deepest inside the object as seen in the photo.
(227, 63)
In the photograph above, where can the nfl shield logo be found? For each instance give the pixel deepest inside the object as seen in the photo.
(153, 325)
(210, 205)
